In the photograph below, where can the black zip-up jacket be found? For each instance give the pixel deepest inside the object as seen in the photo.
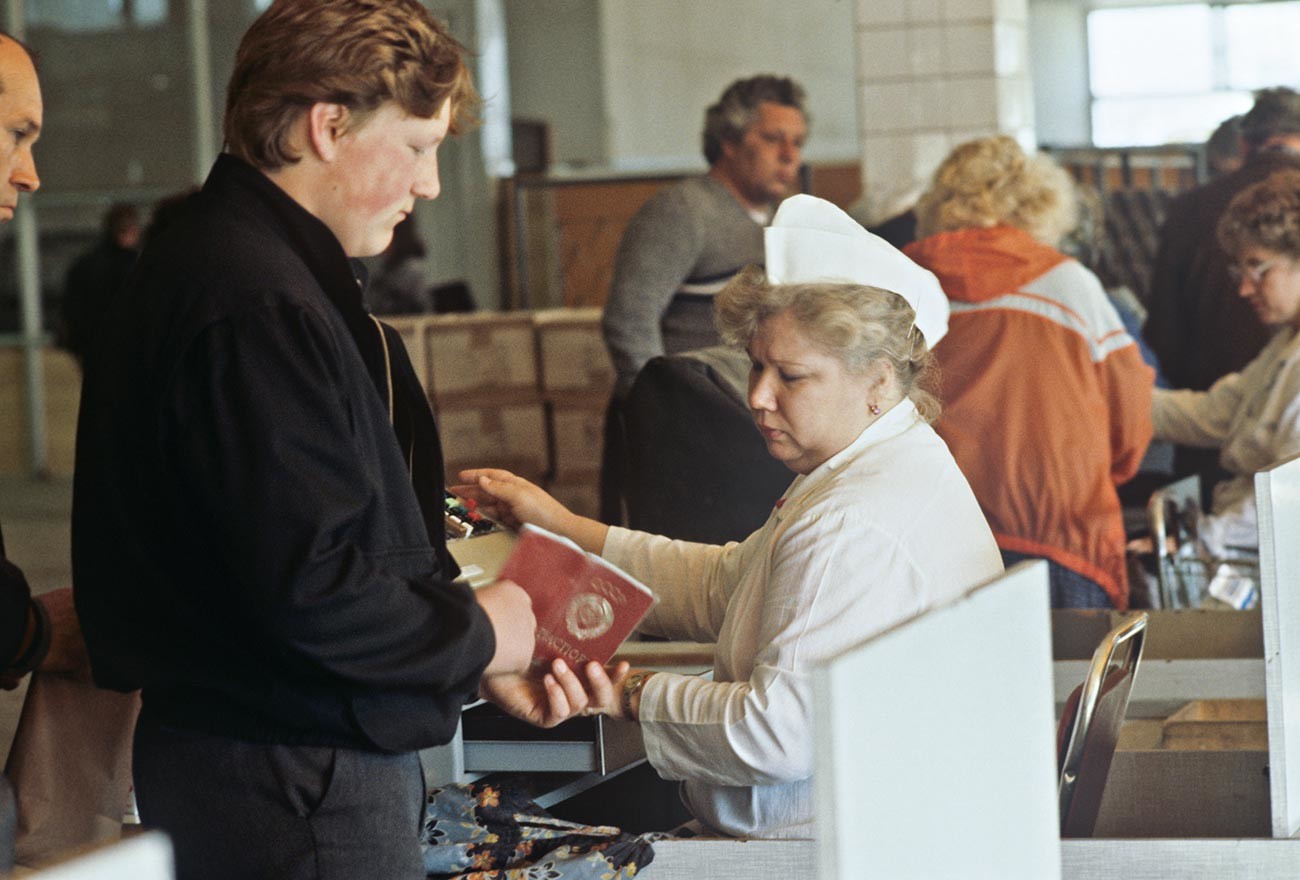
(256, 540)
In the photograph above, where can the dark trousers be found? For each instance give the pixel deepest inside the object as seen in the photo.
(8, 827)
(253, 811)
(1069, 589)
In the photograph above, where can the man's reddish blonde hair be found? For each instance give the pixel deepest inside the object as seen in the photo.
(356, 53)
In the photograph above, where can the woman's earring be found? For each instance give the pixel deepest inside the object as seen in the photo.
(874, 409)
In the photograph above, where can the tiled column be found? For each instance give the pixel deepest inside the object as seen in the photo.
(932, 74)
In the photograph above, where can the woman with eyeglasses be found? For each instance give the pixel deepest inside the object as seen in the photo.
(1252, 417)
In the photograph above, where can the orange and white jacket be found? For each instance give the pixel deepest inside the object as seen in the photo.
(1047, 402)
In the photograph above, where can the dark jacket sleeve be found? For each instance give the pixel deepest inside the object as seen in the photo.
(274, 467)
(1168, 308)
(17, 609)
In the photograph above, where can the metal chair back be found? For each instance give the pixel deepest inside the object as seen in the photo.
(1089, 728)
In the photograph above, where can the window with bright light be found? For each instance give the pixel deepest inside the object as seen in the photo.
(89, 16)
(1171, 73)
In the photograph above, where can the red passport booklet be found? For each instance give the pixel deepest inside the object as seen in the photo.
(584, 606)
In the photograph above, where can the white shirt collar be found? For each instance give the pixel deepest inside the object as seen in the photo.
(889, 425)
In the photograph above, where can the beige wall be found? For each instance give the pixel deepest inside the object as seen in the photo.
(62, 395)
(932, 74)
(668, 60)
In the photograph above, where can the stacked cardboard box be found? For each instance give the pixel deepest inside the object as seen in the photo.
(411, 329)
(576, 379)
(525, 391)
(481, 375)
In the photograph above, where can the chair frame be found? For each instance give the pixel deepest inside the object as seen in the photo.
(1183, 496)
(1121, 648)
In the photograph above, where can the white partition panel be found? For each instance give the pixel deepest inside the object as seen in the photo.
(1277, 499)
(936, 753)
(143, 857)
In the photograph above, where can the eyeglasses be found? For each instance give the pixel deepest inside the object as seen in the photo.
(1254, 271)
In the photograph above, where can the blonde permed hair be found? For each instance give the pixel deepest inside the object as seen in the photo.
(990, 182)
(1265, 215)
(854, 323)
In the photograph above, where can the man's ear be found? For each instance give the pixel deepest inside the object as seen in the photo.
(326, 126)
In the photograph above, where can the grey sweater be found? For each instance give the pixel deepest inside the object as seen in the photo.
(681, 248)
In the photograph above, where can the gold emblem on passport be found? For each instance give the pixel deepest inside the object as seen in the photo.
(589, 616)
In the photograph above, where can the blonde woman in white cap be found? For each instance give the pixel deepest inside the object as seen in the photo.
(878, 525)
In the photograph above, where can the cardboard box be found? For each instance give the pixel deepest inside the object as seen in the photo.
(1159, 792)
(577, 439)
(574, 360)
(580, 496)
(476, 358)
(411, 328)
(1201, 772)
(1217, 724)
(1176, 634)
(511, 436)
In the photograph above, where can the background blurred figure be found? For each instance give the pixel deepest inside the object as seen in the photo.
(34, 632)
(1198, 326)
(1225, 151)
(1087, 244)
(400, 286)
(165, 212)
(97, 277)
(691, 238)
(1046, 398)
(1251, 419)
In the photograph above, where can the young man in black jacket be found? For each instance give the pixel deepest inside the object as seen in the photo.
(257, 527)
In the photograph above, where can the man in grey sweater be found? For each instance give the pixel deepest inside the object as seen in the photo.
(689, 240)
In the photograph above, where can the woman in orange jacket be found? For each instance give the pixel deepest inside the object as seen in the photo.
(1046, 398)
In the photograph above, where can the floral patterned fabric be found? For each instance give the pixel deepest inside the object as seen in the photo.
(480, 832)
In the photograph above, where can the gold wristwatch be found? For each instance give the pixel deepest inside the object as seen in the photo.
(631, 687)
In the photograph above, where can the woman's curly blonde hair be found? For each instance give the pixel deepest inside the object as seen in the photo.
(990, 182)
(1265, 215)
(854, 323)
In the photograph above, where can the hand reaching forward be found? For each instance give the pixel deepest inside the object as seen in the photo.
(513, 500)
(541, 699)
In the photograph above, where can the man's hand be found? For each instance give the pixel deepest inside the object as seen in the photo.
(67, 647)
(67, 651)
(511, 611)
(540, 699)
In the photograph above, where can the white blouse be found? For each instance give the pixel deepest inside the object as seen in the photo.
(883, 530)
(1254, 417)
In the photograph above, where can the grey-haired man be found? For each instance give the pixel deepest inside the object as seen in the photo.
(688, 240)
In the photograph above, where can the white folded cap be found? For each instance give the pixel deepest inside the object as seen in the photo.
(811, 240)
